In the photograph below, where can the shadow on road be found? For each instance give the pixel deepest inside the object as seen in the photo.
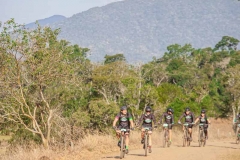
(116, 157)
(141, 155)
(223, 147)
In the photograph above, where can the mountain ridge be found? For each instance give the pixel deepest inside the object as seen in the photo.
(143, 29)
(46, 21)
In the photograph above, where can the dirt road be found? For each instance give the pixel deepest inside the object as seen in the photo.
(213, 151)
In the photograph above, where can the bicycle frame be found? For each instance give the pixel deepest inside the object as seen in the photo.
(186, 135)
(123, 142)
(201, 135)
(146, 139)
(165, 135)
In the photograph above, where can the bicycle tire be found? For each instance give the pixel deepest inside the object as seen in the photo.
(167, 138)
(188, 138)
(122, 150)
(146, 144)
(184, 138)
(164, 139)
(199, 138)
(204, 139)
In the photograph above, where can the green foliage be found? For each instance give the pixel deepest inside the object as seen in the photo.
(55, 80)
(114, 58)
(227, 43)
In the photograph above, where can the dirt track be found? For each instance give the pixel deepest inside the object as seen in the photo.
(213, 151)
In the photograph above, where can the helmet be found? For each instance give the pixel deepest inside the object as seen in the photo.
(170, 110)
(148, 109)
(123, 108)
(187, 109)
(203, 111)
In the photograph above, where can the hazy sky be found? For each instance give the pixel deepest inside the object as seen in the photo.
(26, 11)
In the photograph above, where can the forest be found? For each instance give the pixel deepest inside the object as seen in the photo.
(50, 92)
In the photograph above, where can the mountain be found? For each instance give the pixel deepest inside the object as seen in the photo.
(141, 29)
(46, 21)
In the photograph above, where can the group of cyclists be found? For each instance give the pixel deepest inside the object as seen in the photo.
(125, 120)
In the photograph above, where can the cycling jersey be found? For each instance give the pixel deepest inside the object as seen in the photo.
(203, 120)
(147, 120)
(124, 120)
(168, 118)
(189, 118)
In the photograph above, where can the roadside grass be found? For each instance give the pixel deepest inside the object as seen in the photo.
(95, 146)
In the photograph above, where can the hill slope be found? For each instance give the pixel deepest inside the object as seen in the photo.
(46, 21)
(142, 29)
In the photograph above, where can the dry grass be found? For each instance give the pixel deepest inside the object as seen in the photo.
(95, 146)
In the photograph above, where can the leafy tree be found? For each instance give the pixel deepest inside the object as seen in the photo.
(35, 78)
(227, 43)
(114, 58)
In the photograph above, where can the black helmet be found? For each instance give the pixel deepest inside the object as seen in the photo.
(148, 109)
(170, 110)
(187, 109)
(203, 111)
(123, 108)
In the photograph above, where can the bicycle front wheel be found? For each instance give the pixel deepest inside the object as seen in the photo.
(184, 138)
(164, 139)
(146, 144)
(122, 149)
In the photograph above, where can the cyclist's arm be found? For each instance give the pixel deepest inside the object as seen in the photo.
(208, 121)
(160, 119)
(193, 116)
(115, 121)
(196, 120)
(172, 119)
(131, 122)
(179, 120)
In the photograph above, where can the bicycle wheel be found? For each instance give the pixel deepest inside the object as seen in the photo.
(164, 138)
(167, 138)
(146, 144)
(122, 149)
(184, 138)
(199, 138)
(204, 139)
(188, 139)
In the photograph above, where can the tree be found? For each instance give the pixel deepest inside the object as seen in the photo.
(114, 58)
(227, 42)
(35, 77)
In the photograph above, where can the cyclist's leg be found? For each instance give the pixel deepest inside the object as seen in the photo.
(118, 133)
(150, 138)
(127, 139)
(170, 132)
(190, 131)
(150, 141)
(142, 135)
(206, 131)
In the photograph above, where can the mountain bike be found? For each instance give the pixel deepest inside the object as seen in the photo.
(186, 134)
(201, 135)
(123, 142)
(166, 142)
(146, 139)
(238, 133)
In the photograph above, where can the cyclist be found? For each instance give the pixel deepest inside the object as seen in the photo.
(147, 119)
(169, 119)
(203, 120)
(189, 118)
(125, 121)
(236, 121)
